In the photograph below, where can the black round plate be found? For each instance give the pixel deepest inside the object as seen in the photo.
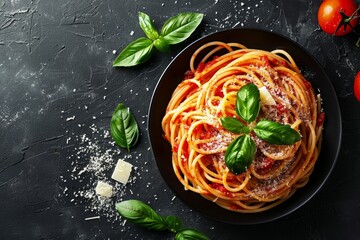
(259, 39)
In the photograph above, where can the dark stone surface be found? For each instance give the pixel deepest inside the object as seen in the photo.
(58, 91)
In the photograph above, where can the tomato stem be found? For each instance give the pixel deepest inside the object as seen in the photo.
(353, 15)
(346, 20)
(356, 15)
(349, 18)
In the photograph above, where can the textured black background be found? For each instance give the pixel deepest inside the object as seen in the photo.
(57, 85)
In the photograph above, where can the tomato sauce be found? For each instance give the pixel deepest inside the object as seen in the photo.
(281, 109)
(265, 165)
(219, 91)
(222, 189)
(321, 119)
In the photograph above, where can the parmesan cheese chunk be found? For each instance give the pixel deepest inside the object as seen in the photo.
(122, 171)
(266, 97)
(103, 189)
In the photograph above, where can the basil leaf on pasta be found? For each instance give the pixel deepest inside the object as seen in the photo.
(276, 133)
(240, 154)
(135, 53)
(180, 27)
(248, 102)
(123, 127)
(147, 26)
(233, 125)
(142, 214)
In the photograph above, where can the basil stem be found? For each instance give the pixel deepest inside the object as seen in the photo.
(233, 125)
(240, 154)
(276, 133)
(123, 127)
(162, 45)
(135, 53)
(248, 102)
(174, 224)
(147, 26)
(142, 214)
(180, 27)
(190, 234)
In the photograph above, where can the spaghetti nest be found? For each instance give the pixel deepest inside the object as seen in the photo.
(208, 92)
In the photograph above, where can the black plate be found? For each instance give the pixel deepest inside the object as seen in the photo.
(258, 39)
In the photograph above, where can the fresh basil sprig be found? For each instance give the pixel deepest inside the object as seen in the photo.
(142, 214)
(241, 151)
(174, 30)
(123, 127)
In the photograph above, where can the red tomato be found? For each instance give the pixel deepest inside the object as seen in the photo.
(334, 16)
(357, 86)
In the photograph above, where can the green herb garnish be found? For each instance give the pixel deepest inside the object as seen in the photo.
(123, 127)
(147, 26)
(174, 30)
(180, 27)
(276, 133)
(142, 214)
(248, 102)
(135, 53)
(240, 152)
(190, 234)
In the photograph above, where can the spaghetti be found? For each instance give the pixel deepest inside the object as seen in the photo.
(208, 92)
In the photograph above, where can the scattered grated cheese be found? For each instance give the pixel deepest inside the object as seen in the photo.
(92, 218)
(91, 156)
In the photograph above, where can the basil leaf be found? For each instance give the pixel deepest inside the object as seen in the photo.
(248, 102)
(162, 45)
(147, 26)
(135, 53)
(190, 234)
(233, 125)
(180, 27)
(240, 154)
(276, 133)
(123, 127)
(142, 214)
(174, 224)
